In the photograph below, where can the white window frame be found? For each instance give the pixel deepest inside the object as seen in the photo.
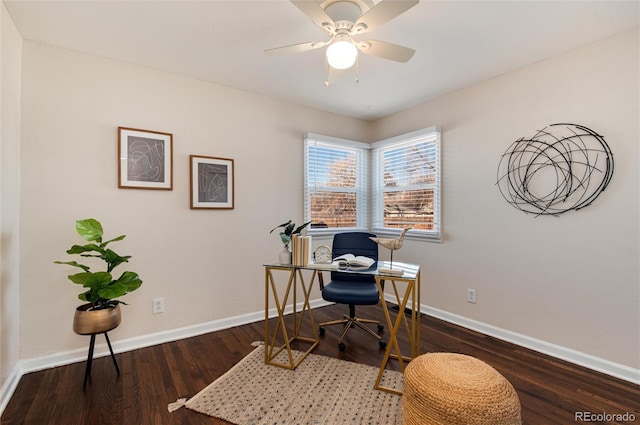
(378, 189)
(371, 187)
(362, 186)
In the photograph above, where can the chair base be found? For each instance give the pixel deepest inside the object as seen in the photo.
(351, 322)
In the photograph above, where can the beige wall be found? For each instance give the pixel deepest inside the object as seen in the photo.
(205, 263)
(9, 195)
(571, 280)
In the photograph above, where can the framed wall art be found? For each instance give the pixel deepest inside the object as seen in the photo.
(145, 159)
(212, 182)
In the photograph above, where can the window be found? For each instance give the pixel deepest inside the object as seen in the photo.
(336, 183)
(406, 184)
(404, 188)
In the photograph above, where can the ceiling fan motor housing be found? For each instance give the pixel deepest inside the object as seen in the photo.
(350, 10)
(343, 11)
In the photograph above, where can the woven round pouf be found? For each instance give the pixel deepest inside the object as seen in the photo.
(454, 389)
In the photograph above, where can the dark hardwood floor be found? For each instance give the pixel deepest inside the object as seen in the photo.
(550, 390)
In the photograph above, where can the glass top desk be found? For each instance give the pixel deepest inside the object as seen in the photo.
(283, 295)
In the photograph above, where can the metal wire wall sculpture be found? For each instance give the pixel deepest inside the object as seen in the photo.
(563, 167)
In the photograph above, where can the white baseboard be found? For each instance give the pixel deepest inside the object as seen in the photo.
(121, 346)
(9, 387)
(101, 349)
(617, 370)
(67, 357)
(598, 364)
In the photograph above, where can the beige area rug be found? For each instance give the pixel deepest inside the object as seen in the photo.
(321, 390)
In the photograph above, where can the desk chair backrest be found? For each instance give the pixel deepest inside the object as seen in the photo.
(356, 243)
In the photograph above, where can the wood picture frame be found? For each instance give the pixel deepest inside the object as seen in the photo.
(212, 182)
(145, 159)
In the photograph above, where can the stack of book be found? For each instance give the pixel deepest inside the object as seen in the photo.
(301, 254)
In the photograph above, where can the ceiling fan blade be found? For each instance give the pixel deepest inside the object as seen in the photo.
(386, 50)
(317, 14)
(296, 48)
(381, 13)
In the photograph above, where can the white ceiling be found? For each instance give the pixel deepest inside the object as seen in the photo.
(457, 43)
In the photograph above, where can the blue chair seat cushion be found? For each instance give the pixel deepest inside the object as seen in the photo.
(348, 292)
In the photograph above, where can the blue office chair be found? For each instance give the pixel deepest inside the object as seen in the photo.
(352, 289)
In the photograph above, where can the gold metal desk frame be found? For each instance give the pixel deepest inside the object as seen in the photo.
(406, 289)
(271, 350)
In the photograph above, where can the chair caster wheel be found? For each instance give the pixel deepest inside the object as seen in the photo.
(322, 331)
(382, 344)
(380, 328)
(342, 347)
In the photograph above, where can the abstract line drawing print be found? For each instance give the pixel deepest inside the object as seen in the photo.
(213, 183)
(146, 159)
(563, 167)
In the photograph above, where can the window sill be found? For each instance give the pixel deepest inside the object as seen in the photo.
(382, 233)
(411, 235)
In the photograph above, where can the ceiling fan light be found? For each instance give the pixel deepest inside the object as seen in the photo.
(342, 54)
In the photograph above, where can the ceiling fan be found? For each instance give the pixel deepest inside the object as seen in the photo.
(343, 20)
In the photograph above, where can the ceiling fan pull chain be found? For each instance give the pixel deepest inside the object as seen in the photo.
(357, 68)
(326, 71)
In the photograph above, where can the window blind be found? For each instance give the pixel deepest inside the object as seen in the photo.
(336, 182)
(406, 183)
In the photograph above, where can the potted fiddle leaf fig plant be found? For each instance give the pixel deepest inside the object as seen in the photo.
(288, 230)
(101, 312)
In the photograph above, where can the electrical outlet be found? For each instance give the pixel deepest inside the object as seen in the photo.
(158, 305)
(471, 295)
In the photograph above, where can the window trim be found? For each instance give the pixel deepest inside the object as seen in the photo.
(368, 215)
(363, 217)
(424, 133)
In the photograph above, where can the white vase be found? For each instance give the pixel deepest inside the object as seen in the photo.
(285, 256)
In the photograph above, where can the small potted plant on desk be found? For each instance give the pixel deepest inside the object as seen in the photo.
(289, 229)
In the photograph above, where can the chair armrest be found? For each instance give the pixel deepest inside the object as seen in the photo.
(321, 280)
